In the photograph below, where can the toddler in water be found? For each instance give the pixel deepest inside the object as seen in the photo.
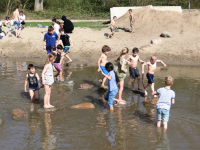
(32, 78)
(48, 80)
(112, 84)
(166, 98)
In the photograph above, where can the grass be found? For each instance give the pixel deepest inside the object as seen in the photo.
(94, 25)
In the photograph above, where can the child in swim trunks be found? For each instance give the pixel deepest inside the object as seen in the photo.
(132, 20)
(32, 78)
(150, 74)
(122, 70)
(67, 43)
(102, 62)
(133, 70)
(112, 27)
(58, 62)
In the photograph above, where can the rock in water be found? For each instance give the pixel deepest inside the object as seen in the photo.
(17, 114)
(65, 83)
(46, 110)
(1, 122)
(85, 86)
(83, 106)
(156, 41)
(151, 102)
(166, 34)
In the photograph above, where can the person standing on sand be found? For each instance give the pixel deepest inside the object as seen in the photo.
(17, 22)
(68, 25)
(132, 20)
(112, 27)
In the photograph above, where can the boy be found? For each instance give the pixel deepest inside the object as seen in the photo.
(112, 27)
(17, 22)
(32, 78)
(150, 74)
(50, 39)
(132, 20)
(166, 98)
(101, 64)
(67, 43)
(55, 26)
(58, 62)
(133, 70)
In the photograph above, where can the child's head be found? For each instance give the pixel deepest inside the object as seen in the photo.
(130, 11)
(50, 30)
(106, 49)
(124, 51)
(21, 13)
(115, 18)
(62, 31)
(169, 80)
(153, 59)
(51, 58)
(58, 22)
(7, 18)
(59, 48)
(54, 20)
(135, 51)
(109, 67)
(31, 68)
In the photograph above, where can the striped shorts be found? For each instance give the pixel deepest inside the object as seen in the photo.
(58, 66)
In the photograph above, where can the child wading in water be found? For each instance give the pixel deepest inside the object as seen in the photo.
(112, 27)
(48, 80)
(102, 62)
(150, 74)
(166, 98)
(32, 78)
(122, 72)
(58, 62)
(112, 84)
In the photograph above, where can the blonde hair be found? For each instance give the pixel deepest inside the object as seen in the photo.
(51, 59)
(169, 80)
(124, 51)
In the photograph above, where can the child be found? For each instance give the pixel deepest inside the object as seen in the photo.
(55, 26)
(122, 71)
(132, 20)
(48, 80)
(7, 22)
(67, 43)
(58, 62)
(150, 74)
(58, 22)
(102, 62)
(134, 72)
(50, 39)
(166, 98)
(112, 84)
(32, 78)
(112, 27)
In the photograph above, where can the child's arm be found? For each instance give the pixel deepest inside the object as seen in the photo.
(154, 93)
(26, 80)
(128, 60)
(122, 67)
(44, 70)
(160, 61)
(62, 57)
(38, 79)
(44, 42)
(99, 63)
(71, 42)
(140, 60)
(54, 52)
(107, 76)
(173, 101)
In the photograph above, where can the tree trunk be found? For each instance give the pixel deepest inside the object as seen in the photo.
(38, 5)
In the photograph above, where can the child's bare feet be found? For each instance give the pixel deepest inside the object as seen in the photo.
(104, 87)
(140, 89)
(145, 93)
(133, 89)
(62, 79)
(100, 80)
(51, 106)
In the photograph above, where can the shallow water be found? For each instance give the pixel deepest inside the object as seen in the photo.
(131, 127)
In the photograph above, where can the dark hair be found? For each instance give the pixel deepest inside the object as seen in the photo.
(59, 46)
(130, 10)
(30, 66)
(114, 17)
(7, 18)
(50, 28)
(135, 50)
(16, 7)
(21, 12)
(58, 22)
(61, 29)
(109, 67)
(54, 19)
(106, 48)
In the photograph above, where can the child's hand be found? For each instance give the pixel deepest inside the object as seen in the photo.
(38, 88)
(153, 93)
(72, 46)
(165, 65)
(99, 70)
(44, 47)
(43, 82)
(25, 90)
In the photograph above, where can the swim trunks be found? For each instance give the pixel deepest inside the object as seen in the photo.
(58, 66)
(66, 49)
(103, 68)
(17, 24)
(35, 89)
(134, 72)
(132, 24)
(150, 78)
(112, 29)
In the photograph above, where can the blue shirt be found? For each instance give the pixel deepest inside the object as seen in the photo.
(112, 85)
(165, 98)
(50, 40)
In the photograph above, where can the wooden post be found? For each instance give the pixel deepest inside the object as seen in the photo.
(38, 5)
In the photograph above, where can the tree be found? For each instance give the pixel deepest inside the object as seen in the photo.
(38, 5)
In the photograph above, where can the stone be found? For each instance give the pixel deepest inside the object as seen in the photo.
(1, 122)
(83, 106)
(65, 83)
(43, 110)
(166, 34)
(128, 103)
(85, 86)
(151, 102)
(77, 65)
(156, 41)
(17, 114)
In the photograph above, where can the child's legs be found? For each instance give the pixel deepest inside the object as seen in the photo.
(103, 81)
(69, 59)
(165, 115)
(121, 87)
(47, 95)
(36, 93)
(138, 82)
(106, 96)
(133, 82)
(31, 93)
(152, 87)
(159, 117)
(111, 97)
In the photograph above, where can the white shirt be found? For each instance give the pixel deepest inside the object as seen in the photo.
(0, 23)
(22, 17)
(56, 28)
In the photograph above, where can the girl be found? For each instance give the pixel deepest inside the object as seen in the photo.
(112, 84)
(48, 80)
(122, 72)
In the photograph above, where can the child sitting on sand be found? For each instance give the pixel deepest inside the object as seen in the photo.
(32, 78)
(112, 27)
(166, 98)
(58, 62)
(151, 69)
(102, 62)
(133, 70)
(67, 43)
(48, 80)
(112, 84)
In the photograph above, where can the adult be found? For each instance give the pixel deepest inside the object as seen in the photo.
(7, 22)
(68, 25)
(17, 22)
(22, 17)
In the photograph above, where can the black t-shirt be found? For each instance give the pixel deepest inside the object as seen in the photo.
(65, 39)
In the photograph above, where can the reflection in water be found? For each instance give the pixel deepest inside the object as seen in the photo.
(163, 141)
